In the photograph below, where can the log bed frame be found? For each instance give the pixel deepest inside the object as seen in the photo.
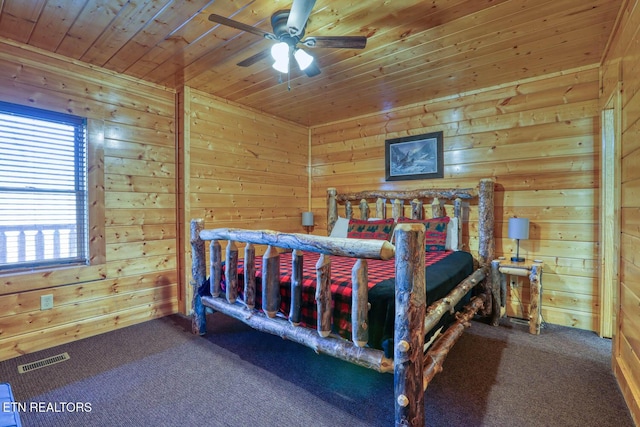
(413, 369)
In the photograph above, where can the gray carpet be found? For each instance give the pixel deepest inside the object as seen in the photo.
(157, 373)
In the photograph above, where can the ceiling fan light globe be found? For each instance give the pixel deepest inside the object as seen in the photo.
(281, 66)
(303, 59)
(280, 52)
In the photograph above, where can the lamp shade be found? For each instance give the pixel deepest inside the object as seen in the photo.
(303, 59)
(280, 53)
(519, 228)
(281, 66)
(307, 219)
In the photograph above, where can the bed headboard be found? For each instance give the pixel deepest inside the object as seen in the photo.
(412, 204)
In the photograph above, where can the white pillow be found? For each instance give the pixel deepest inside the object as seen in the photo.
(451, 243)
(340, 228)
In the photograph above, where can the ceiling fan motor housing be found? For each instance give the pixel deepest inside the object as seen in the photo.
(281, 31)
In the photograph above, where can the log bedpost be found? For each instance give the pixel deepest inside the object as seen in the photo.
(270, 281)
(535, 316)
(198, 273)
(409, 325)
(231, 272)
(348, 210)
(486, 245)
(496, 279)
(323, 294)
(332, 209)
(486, 241)
(457, 213)
(215, 267)
(296, 287)
(360, 303)
(250, 275)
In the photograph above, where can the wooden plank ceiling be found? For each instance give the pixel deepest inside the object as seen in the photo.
(416, 49)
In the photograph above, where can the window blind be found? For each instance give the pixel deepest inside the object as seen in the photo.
(43, 189)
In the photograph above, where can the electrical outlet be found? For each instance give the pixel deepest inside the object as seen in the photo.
(46, 302)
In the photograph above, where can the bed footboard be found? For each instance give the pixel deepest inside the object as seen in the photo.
(412, 368)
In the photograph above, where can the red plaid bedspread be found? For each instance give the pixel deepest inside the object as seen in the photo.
(340, 285)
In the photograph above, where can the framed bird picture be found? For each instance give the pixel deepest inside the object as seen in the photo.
(414, 157)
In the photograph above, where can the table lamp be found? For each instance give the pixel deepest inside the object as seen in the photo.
(519, 230)
(307, 220)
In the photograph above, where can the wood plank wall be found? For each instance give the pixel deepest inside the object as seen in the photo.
(622, 64)
(243, 168)
(132, 129)
(539, 139)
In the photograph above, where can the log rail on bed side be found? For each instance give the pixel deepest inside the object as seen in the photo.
(413, 369)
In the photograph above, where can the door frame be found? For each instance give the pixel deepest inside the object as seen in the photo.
(610, 211)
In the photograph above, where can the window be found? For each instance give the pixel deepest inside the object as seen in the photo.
(43, 188)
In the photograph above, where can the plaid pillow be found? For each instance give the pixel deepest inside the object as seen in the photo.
(363, 229)
(435, 232)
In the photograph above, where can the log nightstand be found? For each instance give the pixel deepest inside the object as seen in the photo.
(531, 269)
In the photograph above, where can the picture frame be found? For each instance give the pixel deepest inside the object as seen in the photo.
(414, 157)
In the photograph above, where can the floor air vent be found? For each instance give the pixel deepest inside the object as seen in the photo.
(43, 362)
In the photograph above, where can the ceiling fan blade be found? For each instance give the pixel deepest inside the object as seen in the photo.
(255, 58)
(298, 16)
(347, 42)
(240, 26)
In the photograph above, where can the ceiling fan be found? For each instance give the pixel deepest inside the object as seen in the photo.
(288, 31)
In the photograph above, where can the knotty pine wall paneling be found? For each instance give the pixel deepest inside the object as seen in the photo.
(622, 64)
(134, 277)
(539, 139)
(243, 169)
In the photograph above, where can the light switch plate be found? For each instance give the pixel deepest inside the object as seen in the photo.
(46, 302)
